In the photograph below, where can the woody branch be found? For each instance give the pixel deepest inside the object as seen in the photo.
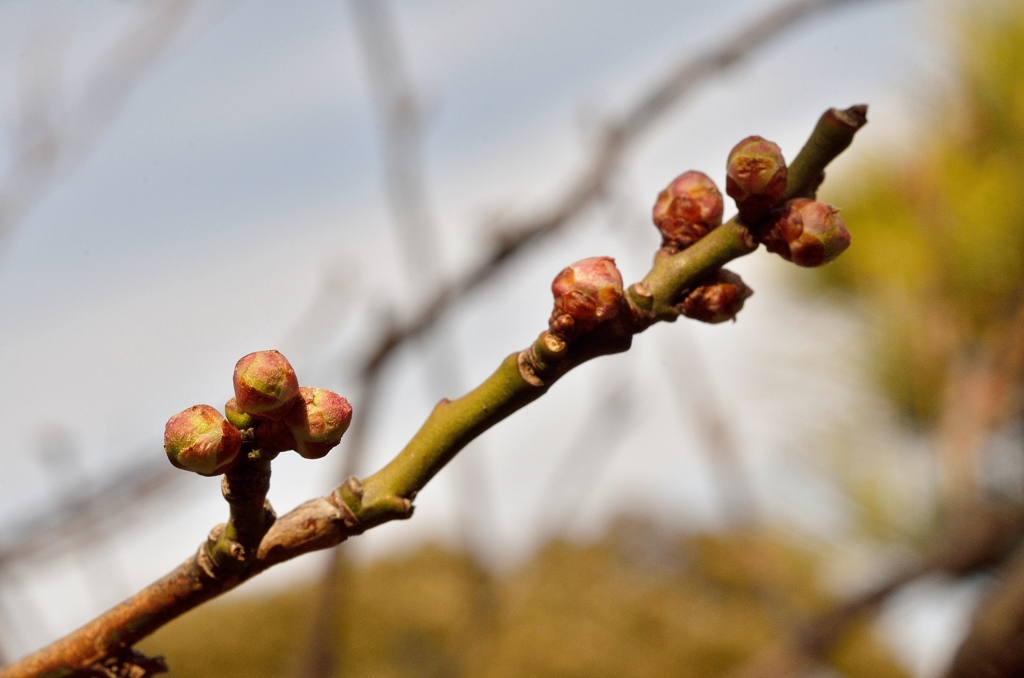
(594, 315)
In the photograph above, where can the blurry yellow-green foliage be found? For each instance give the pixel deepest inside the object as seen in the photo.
(640, 602)
(938, 242)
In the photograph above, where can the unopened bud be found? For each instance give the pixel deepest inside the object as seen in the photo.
(201, 440)
(264, 383)
(718, 298)
(755, 177)
(807, 232)
(587, 293)
(274, 436)
(318, 420)
(237, 417)
(688, 209)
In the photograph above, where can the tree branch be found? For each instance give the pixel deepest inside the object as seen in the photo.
(228, 558)
(515, 235)
(75, 517)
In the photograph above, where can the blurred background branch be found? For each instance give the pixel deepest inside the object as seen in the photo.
(53, 133)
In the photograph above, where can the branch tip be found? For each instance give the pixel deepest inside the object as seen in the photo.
(854, 117)
(831, 136)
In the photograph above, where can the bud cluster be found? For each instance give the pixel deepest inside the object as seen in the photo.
(270, 403)
(587, 294)
(802, 230)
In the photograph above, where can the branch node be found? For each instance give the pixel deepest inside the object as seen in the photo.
(353, 488)
(236, 551)
(204, 559)
(641, 296)
(542, 363)
(526, 361)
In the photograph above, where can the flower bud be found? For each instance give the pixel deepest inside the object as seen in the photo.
(587, 293)
(264, 383)
(717, 299)
(237, 417)
(318, 420)
(274, 436)
(807, 232)
(755, 177)
(687, 210)
(201, 440)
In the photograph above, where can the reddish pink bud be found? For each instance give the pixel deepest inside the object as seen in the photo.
(807, 232)
(718, 299)
(688, 209)
(237, 417)
(756, 177)
(264, 383)
(318, 421)
(587, 293)
(201, 440)
(274, 436)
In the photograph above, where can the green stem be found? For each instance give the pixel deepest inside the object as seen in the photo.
(523, 377)
(831, 136)
(674, 273)
(448, 429)
(245, 489)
